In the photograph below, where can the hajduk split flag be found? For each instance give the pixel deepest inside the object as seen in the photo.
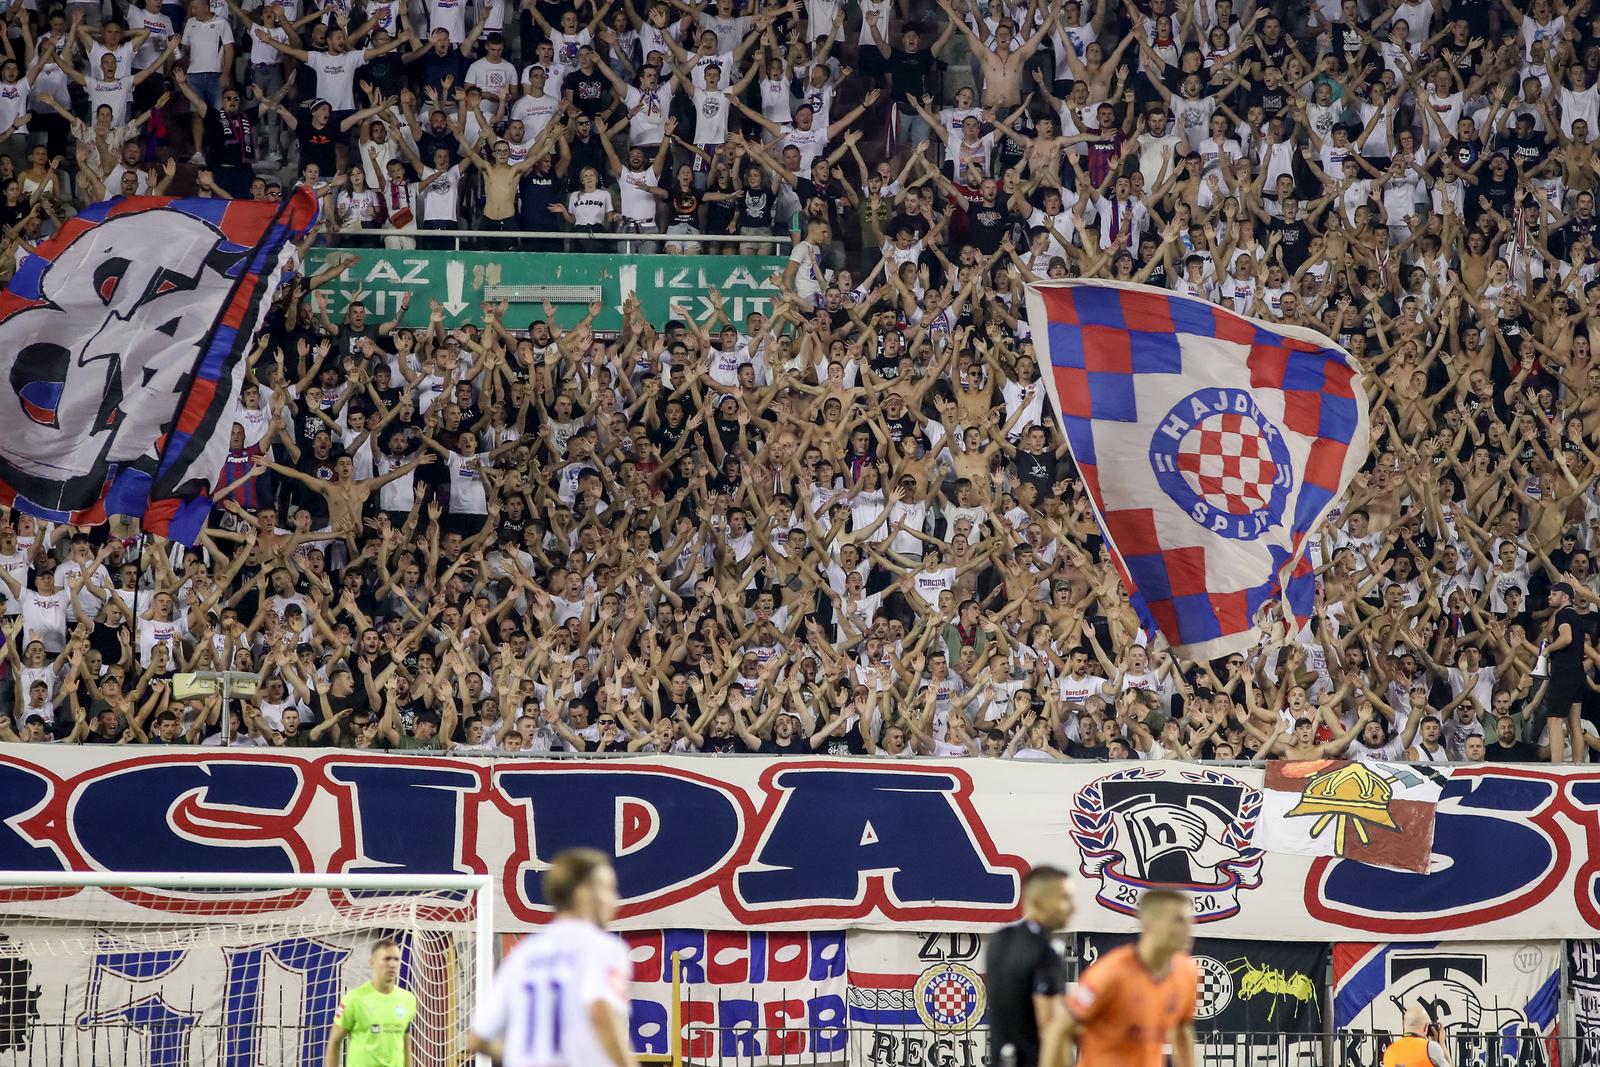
(124, 343)
(1380, 814)
(1211, 445)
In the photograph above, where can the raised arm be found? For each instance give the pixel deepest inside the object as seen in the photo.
(265, 37)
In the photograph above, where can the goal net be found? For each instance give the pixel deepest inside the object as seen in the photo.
(194, 971)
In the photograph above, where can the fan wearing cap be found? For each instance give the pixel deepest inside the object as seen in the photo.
(1563, 707)
(319, 136)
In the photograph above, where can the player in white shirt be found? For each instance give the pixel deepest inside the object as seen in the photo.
(560, 999)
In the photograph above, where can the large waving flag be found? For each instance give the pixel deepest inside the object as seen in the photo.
(124, 343)
(1211, 445)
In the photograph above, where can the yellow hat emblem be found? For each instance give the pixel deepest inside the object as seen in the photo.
(1355, 795)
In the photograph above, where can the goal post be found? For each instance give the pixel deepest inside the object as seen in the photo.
(137, 969)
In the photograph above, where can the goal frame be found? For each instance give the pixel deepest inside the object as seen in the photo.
(483, 885)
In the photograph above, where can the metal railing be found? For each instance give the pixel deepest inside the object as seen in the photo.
(912, 1046)
(554, 754)
(56, 1044)
(542, 240)
(1512, 1047)
(285, 1044)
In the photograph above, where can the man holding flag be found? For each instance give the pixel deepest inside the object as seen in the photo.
(1211, 445)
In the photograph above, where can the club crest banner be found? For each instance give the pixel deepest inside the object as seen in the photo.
(1142, 829)
(1211, 446)
(917, 999)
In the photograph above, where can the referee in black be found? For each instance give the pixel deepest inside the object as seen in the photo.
(1027, 976)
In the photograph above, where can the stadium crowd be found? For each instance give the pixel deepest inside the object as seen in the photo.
(849, 526)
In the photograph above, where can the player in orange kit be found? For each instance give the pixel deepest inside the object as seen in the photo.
(1135, 1000)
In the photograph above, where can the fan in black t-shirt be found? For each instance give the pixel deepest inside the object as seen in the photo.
(1294, 237)
(1563, 707)
(1036, 462)
(989, 219)
(1508, 747)
(1090, 745)
(843, 736)
(586, 85)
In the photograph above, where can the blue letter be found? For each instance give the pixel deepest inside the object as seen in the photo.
(1492, 855)
(834, 830)
(408, 818)
(164, 1030)
(21, 792)
(124, 820)
(827, 1023)
(739, 1020)
(647, 1023)
(318, 966)
(662, 831)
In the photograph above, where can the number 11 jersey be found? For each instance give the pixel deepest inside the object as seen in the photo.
(539, 1002)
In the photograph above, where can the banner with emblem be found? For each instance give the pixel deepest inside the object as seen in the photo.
(1259, 1001)
(895, 846)
(1379, 814)
(917, 999)
(1496, 1003)
(1143, 828)
(1211, 446)
(1583, 976)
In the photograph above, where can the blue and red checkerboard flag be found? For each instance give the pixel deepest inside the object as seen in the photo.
(123, 341)
(1211, 445)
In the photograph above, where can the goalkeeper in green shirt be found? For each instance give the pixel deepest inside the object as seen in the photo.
(374, 1017)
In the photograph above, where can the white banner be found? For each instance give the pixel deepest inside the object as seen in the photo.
(757, 844)
(1495, 1004)
(198, 994)
(918, 999)
(745, 998)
